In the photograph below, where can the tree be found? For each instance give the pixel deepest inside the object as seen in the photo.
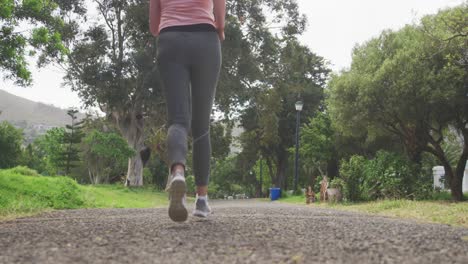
(269, 120)
(44, 38)
(10, 145)
(413, 85)
(104, 153)
(52, 144)
(221, 139)
(317, 147)
(72, 137)
(112, 65)
(33, 157)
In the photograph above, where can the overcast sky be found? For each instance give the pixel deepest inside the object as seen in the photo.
(334, 28)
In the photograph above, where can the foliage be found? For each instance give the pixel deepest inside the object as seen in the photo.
(352, 172)
(410, 83)
(22, 170)
(338, 184)
(261, 175)
(159, 172)
(108, 145)
(225, 176)
(191, 187)
(387, 176)
(21, 193)
(71, 138)
(10, 145)
(269, 120)
(317, 145)
(221, 139)
(34, 157)
(45, 39)
(52, 145)
(105, 154)
(113, 67)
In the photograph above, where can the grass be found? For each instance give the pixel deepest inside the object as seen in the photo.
(438, 211)
(23, 193)
(118, 196)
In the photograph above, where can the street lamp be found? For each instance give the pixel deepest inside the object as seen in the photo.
(299, 105)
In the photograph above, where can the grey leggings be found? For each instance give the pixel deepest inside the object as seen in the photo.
(189, 65)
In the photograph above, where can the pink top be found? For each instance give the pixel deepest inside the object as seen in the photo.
(186, 12)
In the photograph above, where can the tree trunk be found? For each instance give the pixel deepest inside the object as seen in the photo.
(281, 180)
(333, 167)
(457, 183)
(270, 171)
(456, 187)
(131, 126)
(135, 171)
(453, 178)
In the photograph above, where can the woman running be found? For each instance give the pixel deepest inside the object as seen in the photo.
(189, 59)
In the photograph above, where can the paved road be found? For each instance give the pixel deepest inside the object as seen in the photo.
(238, 232)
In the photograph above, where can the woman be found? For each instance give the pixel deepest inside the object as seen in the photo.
(189, 59)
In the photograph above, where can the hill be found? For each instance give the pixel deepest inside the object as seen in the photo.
(33, 117)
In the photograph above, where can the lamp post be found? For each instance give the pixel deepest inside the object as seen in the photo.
(299, 105)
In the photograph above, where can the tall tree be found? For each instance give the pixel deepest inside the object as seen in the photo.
(269, 119)
(112, 65)
(318, 145)
(33, 27)
(72, 138)
(51, 144)
(413, 84)
(10, 145)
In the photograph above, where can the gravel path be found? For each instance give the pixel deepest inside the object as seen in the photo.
(238, 232)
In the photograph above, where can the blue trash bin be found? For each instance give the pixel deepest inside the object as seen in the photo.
(275, 193)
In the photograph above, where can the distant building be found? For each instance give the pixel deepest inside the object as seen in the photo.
(439, 178)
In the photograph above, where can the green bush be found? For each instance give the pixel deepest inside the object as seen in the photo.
(23, 171)
(352, 172)
(190, 181)
(387, 176)
(19, 193)
(338, 184)
(214, 191)
(147, 176)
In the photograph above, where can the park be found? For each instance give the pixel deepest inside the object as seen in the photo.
(312, 161)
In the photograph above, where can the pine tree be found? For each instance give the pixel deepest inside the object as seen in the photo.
(72, 138)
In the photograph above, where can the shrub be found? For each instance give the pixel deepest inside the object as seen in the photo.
(23, 171)
(387, 176)
(147, 176)
(190, 181)
(352, 172)
(20, 192)
(214, 191)
(391, 175)
(338, 184)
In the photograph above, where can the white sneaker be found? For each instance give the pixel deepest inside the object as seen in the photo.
(202, 209)
(177, 189)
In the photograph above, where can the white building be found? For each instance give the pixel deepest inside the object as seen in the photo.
(439, 177)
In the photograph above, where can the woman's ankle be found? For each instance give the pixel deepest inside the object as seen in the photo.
(202, 190)
(178, 169)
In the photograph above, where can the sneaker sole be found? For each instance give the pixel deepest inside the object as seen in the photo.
(177, 210)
